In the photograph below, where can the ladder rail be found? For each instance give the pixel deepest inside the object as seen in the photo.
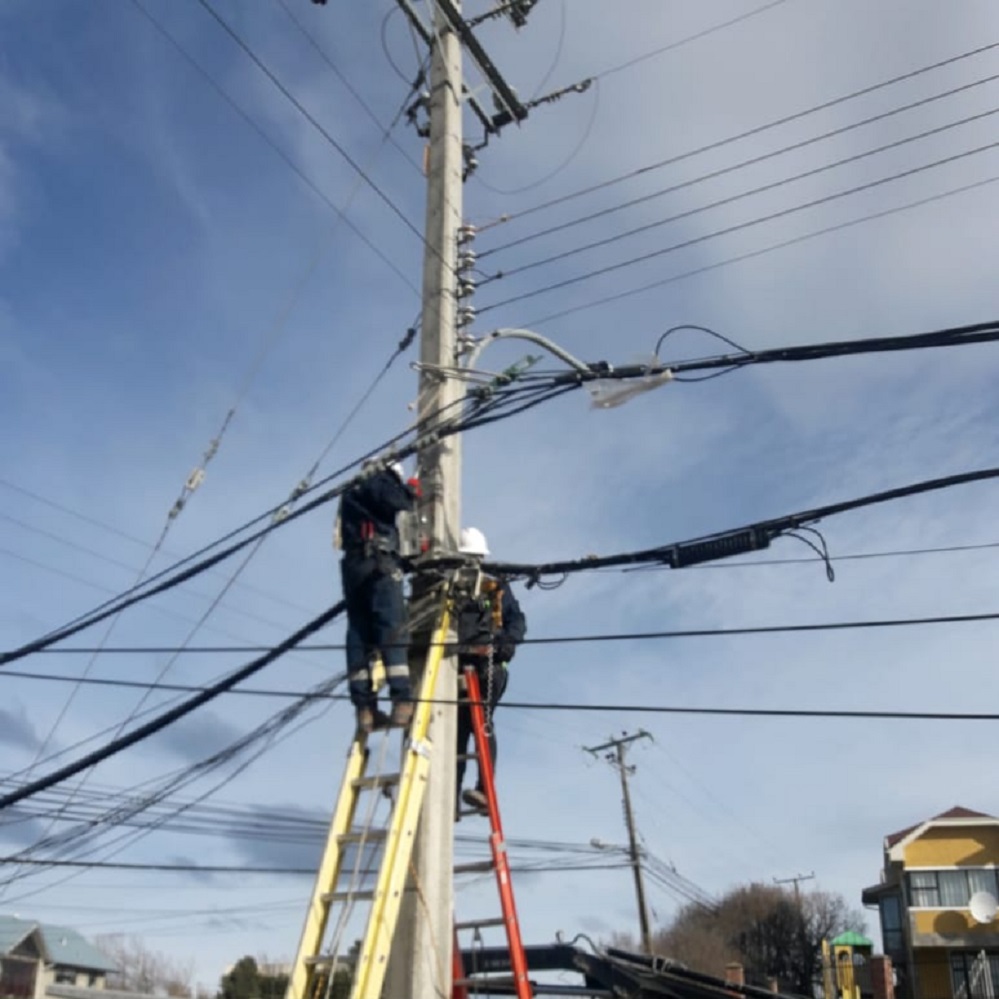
(317, 914)
(497, 842)
(372, 963)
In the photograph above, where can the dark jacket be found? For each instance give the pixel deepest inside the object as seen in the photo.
(369, 509)
(477, 622)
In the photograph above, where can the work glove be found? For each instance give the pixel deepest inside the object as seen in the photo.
(504, 651)
(415, 487)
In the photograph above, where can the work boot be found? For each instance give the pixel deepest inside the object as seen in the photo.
(476, 799)
(366, 721)
(402, 714)
(371, 720)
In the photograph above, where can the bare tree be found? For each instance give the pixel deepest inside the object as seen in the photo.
(141, 969)
(772, 932)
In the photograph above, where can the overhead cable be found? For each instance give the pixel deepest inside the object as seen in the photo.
(288, 160)
(645, 56)
(626, 636)
(173, 714)
(741, 165)
(318, 126)
(740, 226)
(775, 123)
(594, 303)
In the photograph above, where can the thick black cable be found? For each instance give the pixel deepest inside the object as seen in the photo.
(759, 534)
(560, 385)
(628, 636)
(751, 161)
(784, 120)
(618, 296)
(130, 597)
(666, 709)
(740, 226)
(174, 714)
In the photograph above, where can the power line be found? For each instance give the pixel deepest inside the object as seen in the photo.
(740, 226)
(740, 540)
(497, 406)
(775, 123)
(288, 160)
(762, 251)
(511, 401)
(689, 38)
(742, 164)
(173, 714)
(118, 532)
(354, 92)
(627, 636)
(312, 120)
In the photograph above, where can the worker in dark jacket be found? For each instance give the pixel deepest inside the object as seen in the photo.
(372, 587)
(489, 629)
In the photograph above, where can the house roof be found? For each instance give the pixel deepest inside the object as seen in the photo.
(12, 932)
(957, 812)
(851, 939)
(66, 946)
(60, 944)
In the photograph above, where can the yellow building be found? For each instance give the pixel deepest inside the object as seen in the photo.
(937, 902)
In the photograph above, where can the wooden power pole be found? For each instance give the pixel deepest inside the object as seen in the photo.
(616, 757)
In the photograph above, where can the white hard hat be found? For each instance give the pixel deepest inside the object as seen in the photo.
(396, 466)
(473, 542)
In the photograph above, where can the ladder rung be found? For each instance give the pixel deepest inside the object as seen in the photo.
(320, 959)
(473, 924)
(465, 757)
(476, 867)
(343, 896)
(505, 981)
(367, 836)
(376, 780)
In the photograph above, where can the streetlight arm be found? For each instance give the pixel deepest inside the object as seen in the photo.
(535, 338)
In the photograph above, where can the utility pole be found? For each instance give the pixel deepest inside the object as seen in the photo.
(796, 880)
(616, 757)
(421, 955)
(420, 964)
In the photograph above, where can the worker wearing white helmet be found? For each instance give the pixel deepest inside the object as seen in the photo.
(489, 627)
(372, 587)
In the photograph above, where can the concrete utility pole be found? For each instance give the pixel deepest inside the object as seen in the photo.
(421, 955)
(616, 759)
(796, 880)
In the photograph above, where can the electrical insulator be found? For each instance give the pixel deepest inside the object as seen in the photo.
(466, 260)
(466, 315)
(466, 234)
(466, 288)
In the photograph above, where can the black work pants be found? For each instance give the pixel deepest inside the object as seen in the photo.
(376, 623)
(490, 698)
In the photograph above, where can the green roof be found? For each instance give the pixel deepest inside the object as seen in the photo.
(851, 939)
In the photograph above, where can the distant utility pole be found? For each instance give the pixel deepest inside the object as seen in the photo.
(796, 880)
(618, 748)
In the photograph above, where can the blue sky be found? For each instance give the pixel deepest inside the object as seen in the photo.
(153, 248)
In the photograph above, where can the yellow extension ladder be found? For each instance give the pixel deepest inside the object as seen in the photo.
(358, 850)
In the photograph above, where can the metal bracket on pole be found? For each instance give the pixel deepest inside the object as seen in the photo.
(428, 39)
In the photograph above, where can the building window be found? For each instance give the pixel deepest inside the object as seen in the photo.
(65, 976)
(975, 974)
(949, 889)
(891, 924)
